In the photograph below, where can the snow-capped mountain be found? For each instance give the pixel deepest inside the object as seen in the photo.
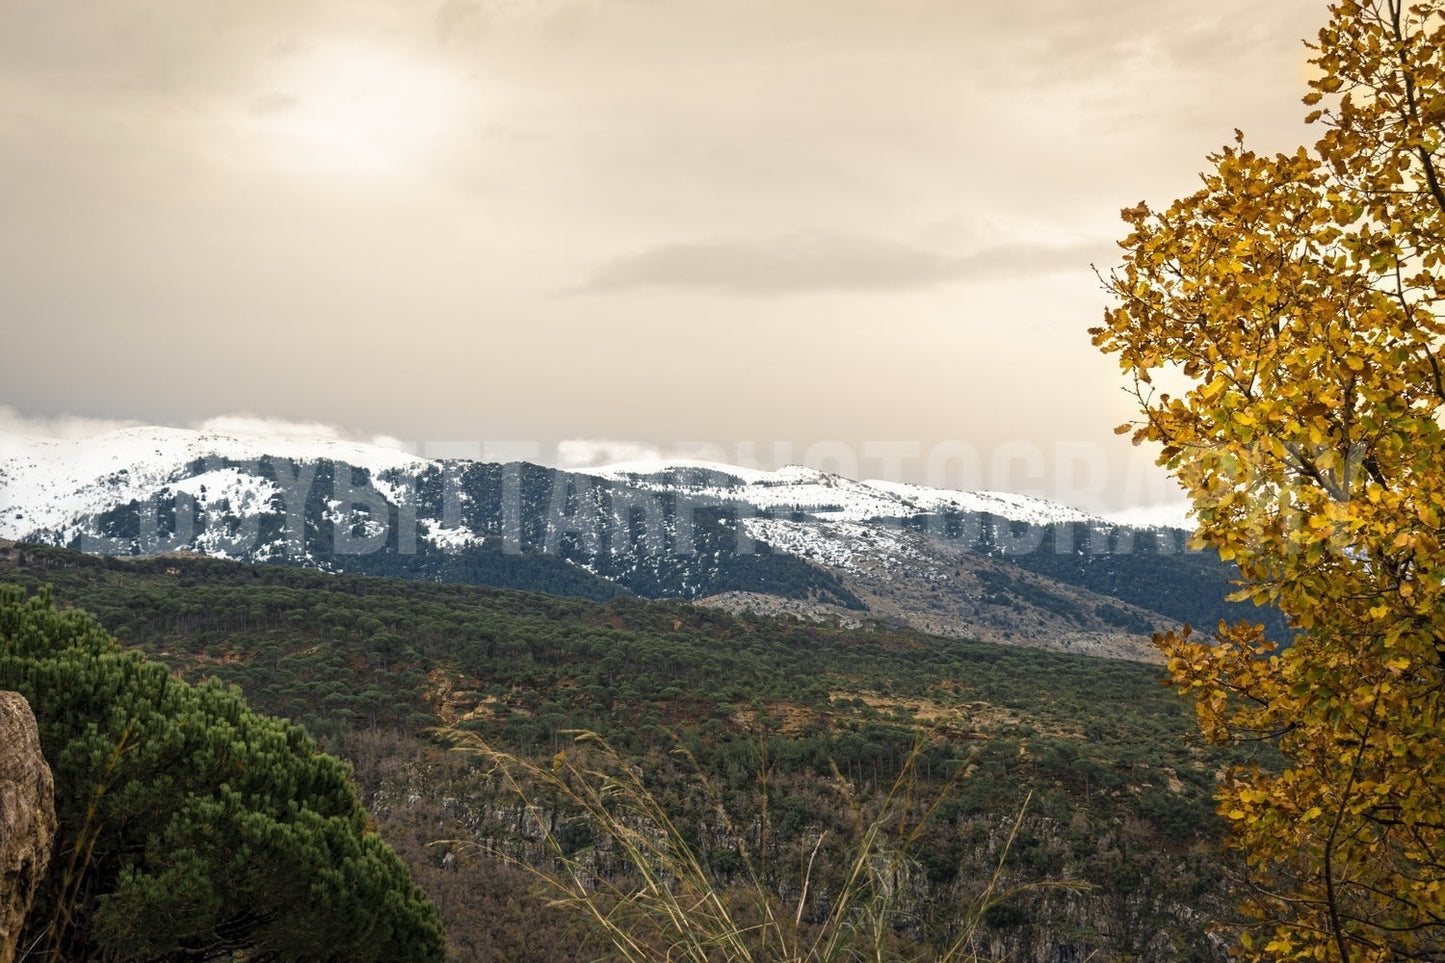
(834, 497)
(989, 564)
(51, 485)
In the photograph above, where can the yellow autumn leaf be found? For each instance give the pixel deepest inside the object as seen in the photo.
(1297, 294)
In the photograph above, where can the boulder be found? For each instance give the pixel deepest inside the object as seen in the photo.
(27, 817)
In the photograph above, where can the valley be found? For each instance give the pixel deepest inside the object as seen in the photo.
(797, 723)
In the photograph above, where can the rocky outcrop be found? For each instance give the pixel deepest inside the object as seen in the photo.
(27, 817)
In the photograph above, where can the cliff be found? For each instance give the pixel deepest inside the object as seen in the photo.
(27, 817)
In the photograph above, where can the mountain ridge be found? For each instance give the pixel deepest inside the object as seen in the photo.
(97, 458)
(966, 564)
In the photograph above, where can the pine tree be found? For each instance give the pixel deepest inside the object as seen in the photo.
(192, 827)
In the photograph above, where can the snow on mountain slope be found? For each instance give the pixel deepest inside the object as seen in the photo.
(46, 484)
(1018, 508)
(50, 485)
(834, 497)
(852, 547)
(1179, 515)
(838, 510)
(681, 467)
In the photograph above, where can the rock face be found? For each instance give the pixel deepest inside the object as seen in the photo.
(27, 817)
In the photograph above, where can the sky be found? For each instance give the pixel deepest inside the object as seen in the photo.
(857, 234)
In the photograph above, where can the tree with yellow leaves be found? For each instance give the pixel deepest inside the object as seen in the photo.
(1292, 305)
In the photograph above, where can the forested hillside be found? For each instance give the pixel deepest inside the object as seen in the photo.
(805, 715)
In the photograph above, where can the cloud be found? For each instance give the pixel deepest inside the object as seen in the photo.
(584, 453)
(274, 102)
(595, 452)
(1030, 258)
(242, 424)
(454, 15)
(822, 262)
(59, 426)
(66, 426)
(269, 427)
(79, 426)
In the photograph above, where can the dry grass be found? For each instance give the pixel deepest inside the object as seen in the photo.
(672, 906)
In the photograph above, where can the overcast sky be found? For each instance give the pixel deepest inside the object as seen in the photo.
(757, 230)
